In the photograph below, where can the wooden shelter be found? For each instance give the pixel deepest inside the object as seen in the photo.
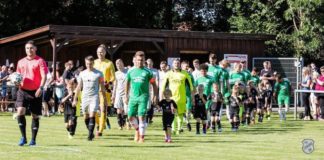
(62, 43)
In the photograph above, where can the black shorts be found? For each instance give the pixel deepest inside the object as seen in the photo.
(215, 108)
(250, 107)
(260, 105)
(268, 100)
(68, 117)
(200, 113)
(47, 94)
(167, 120)
(28, 100)
(234, 112)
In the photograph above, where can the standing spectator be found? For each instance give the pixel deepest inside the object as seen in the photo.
(33, 70)
(305, 85)
(313, 97)
(47, 93)
(320, 96)
(266, 73)
(314, 68)
(3, 79)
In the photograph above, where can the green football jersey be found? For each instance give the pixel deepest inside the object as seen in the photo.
(140, 81)
(236, 76)
(207, 81)
(256, 80)
(282, 88)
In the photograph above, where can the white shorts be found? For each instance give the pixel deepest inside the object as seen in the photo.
(90, 104)
(119, 102)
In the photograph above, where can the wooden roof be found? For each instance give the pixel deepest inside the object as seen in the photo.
(128, 34)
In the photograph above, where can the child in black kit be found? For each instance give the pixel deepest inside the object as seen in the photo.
(216, 99)
(200, 113)
(70, 118)
(168, 107)
(234, 108)
(251, 104)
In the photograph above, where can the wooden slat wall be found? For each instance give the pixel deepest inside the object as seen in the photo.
(173, 46)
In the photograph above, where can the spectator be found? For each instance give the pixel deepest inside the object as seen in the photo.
(313, 97)
(266, 73)
(3, 79)
(305, 85)
(68, 74)
(320, 87)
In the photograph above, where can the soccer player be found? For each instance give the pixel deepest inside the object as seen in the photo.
(200, 113)
(185, 67)
(224, 86)
(119, 94)
(205, 80)
(261, 101)
(169, 108)
(212, 66)
(138, 80)
(70, 117)
(255, 77)
(108, 70)
(282, 90)
(33, 70)
(196, 72)
(177, 80)
(237, 75)
(268, 99)
(162, 72)
(251, 102)
(234, 109)
(91, 82)
(245, 71)
(216, 98)
(150, 112)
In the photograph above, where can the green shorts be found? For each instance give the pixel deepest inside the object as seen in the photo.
(283, 100)
(137, 107)
(188, 103)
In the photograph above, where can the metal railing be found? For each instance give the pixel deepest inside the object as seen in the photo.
(296, 91)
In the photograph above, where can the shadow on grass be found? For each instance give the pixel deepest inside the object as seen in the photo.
(64, 145)
(143, 146)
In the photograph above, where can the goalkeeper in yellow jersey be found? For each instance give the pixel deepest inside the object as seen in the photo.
(108, 70)
(177, 80)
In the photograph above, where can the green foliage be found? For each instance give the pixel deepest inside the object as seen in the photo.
(298, 24)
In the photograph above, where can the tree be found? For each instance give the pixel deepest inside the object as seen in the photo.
(297, 24)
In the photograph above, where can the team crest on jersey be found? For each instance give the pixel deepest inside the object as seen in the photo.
(308, 146)
(143, 74)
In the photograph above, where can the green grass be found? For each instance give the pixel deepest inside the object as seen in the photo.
(269, 140)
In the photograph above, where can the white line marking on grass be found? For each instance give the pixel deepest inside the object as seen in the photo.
(65, 149)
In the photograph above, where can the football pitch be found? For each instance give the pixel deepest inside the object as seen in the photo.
(270, 140)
